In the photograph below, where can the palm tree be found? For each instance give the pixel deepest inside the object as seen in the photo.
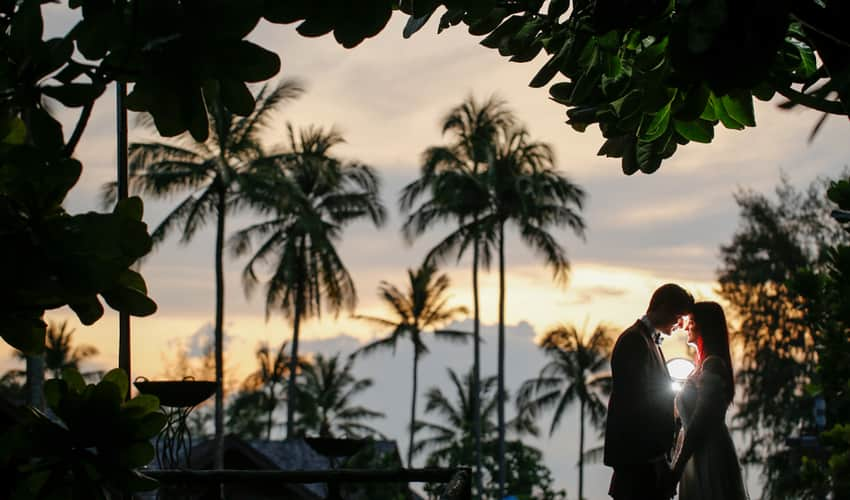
(576, 372)
(325, 396)
(450, 183)
(271, 372)
(58, 355)
(322, 195)
(526, 189)
(215, 174)
(423, 306)
(246, 414)
(451, 441)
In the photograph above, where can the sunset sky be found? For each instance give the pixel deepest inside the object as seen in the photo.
(388, 96)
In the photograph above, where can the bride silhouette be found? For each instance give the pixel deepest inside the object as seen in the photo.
(705, 463)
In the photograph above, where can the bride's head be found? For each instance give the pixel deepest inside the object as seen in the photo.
(708, 330)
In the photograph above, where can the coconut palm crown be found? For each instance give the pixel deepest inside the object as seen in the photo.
(577, 372)
(422, 307)
(216, 174)
(309, 198)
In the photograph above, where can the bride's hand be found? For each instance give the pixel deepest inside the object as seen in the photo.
(677, 471)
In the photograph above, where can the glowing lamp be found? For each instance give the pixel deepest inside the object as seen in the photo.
(679, 369)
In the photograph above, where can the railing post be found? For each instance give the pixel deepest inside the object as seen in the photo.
(123, 192)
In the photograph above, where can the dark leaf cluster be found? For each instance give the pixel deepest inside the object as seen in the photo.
(50, 258)
(91, 451)
(655, 75)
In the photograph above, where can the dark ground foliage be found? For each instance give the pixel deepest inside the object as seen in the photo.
(90, 447)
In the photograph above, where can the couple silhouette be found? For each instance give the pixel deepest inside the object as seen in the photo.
(651, 458)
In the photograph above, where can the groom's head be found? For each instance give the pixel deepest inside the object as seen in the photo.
(669, 303)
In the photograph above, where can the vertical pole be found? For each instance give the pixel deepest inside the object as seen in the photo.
(123, 193)
(501, 361)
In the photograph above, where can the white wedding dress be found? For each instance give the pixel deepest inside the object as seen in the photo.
(713, 471)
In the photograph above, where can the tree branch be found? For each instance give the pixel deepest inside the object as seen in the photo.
(826, 106)
(79, 128)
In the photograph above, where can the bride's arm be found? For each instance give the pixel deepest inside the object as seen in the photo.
(709, 412)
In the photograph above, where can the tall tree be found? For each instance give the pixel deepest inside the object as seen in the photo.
(576, 373)
(323, 194)
(450, 184)
(215, 173)
(422, 307)
(325, 400)
(526, 190)
(272, 371)
(778, 236)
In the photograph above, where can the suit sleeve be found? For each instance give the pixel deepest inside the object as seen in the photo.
(629, 370)
(644, 402)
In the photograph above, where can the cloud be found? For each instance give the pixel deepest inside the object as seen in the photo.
(584, 296)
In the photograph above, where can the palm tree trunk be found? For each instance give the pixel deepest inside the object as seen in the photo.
(501, 367)
(476, 369)
(35, 380)
(581, 452)
(219, 333)
(413, 405)
(271, 412)
(293, 366)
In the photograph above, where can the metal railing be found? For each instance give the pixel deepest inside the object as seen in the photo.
(458, 481)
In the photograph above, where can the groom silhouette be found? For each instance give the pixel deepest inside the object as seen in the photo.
(640, 426)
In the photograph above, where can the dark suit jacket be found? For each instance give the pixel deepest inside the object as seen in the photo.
(640, 424)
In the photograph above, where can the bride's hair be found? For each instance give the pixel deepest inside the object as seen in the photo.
(713, 339)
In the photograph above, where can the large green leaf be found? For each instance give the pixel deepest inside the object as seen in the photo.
(137, 454)
(504, 31)
(25, 332)
(656, 126)
(141, 405)
(739, 106)
(75, 381)
(248, 61)
(318, 22)
(696, 130)
(131, 279)
(487, 23)
(45, 130)
(54, 391)
(614, 147)
(14, 132)
(358, 21)
(693, 104)
(118, 377)
(129, 300)
(88, 309)
(149, 425)
(237, 97)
